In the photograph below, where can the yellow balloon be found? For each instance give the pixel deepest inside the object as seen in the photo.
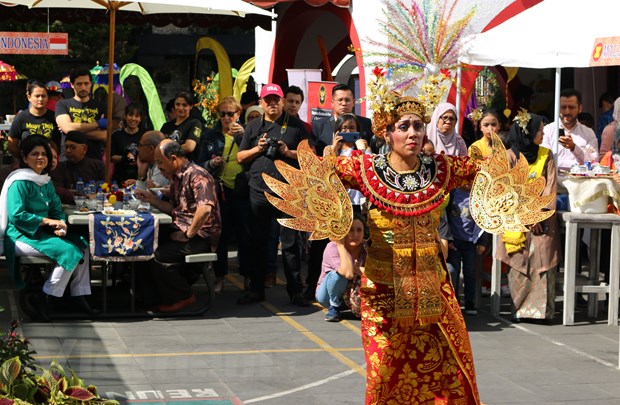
(112, 199)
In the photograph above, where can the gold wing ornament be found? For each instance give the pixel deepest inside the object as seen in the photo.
(314, 197)
(504, 199)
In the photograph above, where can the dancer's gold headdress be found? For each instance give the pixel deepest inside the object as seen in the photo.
(388, 105)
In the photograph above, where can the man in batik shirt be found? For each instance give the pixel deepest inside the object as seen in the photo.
(195, 228)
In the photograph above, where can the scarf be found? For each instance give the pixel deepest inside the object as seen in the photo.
(451, 144)
(515, 241)
(522, 141)
(19, 174)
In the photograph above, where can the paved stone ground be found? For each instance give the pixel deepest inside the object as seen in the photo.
(276, 353)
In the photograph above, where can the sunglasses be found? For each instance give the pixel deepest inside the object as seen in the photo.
(404, 125)
(227, 114)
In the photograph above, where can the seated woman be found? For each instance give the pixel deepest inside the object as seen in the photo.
(32, 223)
(341, 273)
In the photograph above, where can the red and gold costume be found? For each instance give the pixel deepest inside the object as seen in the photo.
(416, 343)
(414, 336)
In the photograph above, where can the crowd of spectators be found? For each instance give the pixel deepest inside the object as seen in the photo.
(210, 181)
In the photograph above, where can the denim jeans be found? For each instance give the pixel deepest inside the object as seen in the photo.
(331, 290)
(464, 254)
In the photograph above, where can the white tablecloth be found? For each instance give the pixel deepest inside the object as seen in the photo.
(591, 194)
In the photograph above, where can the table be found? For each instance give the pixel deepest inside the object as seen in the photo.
(574, 221)
(590, 195)
(83, 220)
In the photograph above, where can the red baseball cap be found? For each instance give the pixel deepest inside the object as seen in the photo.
(271, 90)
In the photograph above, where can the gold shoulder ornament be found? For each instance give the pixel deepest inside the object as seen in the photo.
(504, 199)
(314, 197)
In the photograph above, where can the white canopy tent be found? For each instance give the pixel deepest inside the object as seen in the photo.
(551, 34)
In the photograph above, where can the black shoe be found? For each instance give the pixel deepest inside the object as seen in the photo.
(251, 297)
(83, 305)
(299, 300)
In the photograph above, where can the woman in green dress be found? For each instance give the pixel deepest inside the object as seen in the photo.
(32, 223)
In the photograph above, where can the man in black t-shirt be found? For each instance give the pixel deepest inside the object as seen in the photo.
(274, 137)
(82, 113)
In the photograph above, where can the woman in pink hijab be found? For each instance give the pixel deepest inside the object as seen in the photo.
(442, 131)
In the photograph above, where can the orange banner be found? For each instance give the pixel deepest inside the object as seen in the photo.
(606, 52)
(34, 43)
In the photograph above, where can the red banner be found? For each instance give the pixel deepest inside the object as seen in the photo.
(319, 100)
(34, 43)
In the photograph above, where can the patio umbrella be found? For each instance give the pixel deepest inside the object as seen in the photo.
(9, 74)
(237, 8)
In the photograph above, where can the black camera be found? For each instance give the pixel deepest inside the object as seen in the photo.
(272, 147)
(132, 151)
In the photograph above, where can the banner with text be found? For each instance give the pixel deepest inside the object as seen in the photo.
(34, 43)
(319, 100)
(606, 52)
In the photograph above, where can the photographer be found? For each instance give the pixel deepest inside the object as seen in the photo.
(274, 137)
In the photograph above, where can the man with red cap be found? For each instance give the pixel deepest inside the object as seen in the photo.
(273, 137)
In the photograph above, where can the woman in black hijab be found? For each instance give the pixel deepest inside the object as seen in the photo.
(532, 256)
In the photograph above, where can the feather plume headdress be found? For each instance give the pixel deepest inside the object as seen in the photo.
(421, 50)
(422, 46)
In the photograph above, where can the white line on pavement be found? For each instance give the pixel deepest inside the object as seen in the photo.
(303, 387)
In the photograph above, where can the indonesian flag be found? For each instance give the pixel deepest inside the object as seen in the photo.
(58, 43)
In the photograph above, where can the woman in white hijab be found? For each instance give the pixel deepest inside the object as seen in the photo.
(442, 131)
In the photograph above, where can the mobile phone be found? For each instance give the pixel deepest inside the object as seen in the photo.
(349, 136)
(560, 132)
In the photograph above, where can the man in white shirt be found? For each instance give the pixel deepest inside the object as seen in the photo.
(576, 142)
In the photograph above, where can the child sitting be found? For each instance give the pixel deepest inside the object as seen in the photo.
(341, 271)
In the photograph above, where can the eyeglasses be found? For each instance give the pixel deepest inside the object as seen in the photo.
(227, 114)
(447, 118)
(404, 125)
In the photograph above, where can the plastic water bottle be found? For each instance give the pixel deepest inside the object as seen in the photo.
(100, 199)
(114, 187)
(79, 186)
(127, 195)
(92, 188)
